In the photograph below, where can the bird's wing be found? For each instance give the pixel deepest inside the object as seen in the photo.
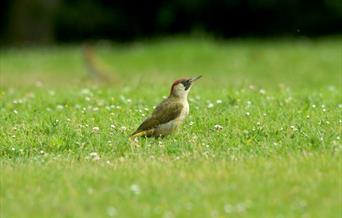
(164, 113)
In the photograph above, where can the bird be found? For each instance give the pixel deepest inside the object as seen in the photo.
(96, 70)
(170, 113)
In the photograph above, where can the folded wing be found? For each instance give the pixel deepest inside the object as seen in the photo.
(164, 113)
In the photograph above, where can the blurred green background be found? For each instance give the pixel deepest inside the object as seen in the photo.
(49, 21)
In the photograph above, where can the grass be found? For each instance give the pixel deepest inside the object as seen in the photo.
(263, 138)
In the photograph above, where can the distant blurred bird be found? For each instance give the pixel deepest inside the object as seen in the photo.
(170, 113)
(94, 68)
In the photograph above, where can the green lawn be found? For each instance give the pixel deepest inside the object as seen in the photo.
(263, 138)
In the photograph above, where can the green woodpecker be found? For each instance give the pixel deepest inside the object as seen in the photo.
(170, 113)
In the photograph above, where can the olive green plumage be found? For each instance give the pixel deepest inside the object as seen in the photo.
(166, 111)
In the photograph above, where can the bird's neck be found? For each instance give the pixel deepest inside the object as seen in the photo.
(181, 98)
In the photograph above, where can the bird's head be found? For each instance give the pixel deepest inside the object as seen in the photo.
(181, 87)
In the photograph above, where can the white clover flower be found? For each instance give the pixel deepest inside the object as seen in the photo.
(123, 128)
(95, 109)
(100, 103)
(111, 211)
(96, 129)
(262, 91)
(338, 138)
(60, 107)
(294, 128)
(85, 92)
(210, 105)
(240, 207)
(168, 214)
(135, 189)
(15, 111)
(94, 156)
(39, 83)
(90, 191)
(191, 123)
(324, 109)
(247, 113)
(313, 106)
(218, 101)
(228, 208)
(287, 100)
(218, 127)
(123, 98)
(112, 126)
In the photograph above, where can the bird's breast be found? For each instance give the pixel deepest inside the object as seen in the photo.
(185, 111)
(169, 127)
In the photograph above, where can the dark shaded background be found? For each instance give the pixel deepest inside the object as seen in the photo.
(49, 21)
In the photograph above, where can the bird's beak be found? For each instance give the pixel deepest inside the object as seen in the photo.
(195, 78)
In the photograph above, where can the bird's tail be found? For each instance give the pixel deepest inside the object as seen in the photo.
(144, 133)
(137, 134)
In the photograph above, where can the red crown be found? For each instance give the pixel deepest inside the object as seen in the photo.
(176, 83)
